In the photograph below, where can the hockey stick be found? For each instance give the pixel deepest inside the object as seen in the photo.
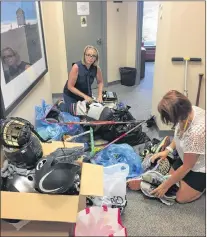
(98, 122)
(120, 137)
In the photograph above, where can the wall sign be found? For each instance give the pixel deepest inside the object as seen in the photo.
(83, 21)
(83, 8)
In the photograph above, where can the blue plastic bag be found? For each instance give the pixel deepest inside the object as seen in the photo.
(51, 130)
(120, 153)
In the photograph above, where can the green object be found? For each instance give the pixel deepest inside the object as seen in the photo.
(92, 142)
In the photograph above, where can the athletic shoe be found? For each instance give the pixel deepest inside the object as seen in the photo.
(59, 105)
(155, 146)
(147, 188)
(147, 148)
(162, 167)
(146, 163)
(153, 177)
(161, 146)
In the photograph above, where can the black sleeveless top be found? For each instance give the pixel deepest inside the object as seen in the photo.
(14, 72)
(84, 81)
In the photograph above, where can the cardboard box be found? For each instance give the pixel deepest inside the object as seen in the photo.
(44, 209)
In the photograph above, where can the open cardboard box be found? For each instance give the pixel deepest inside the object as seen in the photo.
(44, 209)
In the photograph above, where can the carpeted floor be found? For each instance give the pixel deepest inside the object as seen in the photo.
(149, 217)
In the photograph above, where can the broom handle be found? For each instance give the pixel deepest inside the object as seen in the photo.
(186, 77)
(199, 88)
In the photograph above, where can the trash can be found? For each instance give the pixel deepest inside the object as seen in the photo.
(128, 75)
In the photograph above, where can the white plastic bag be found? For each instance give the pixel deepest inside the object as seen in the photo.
(115, 180)
(99, 221)
(113, 202)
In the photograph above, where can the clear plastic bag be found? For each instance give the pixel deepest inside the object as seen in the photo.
(99, 221)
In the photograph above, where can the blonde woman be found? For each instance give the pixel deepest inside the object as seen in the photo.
(12, 64)
(81, 77)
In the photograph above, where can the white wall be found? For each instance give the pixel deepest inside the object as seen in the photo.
(55, 40)
(131, 34)
(116, 39)
(54, 80)
(41, 91)
(121, 37)
(181, 33)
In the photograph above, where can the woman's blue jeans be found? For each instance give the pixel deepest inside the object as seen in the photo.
(66, 106)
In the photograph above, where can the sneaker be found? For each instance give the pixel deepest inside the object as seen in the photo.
(162, 167)
(147, 188)
(146, 163)
(155, 146)
(161, 146)
(153, 177)
(58, 104)
(147, 149)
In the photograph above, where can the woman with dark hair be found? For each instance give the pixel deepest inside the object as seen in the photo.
(189, 141)
(12, 64)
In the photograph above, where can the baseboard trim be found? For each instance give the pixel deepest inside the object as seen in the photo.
(164, 133)
(114, 83)
(56, 94)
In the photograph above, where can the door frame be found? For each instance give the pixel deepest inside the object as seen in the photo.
(104, 41)
(140, 11)
(103, 37)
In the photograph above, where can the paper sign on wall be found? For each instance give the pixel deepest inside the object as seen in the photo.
(83, 8)
(83, 21)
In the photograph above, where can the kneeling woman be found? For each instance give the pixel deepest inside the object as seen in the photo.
(81, 77)
(189, 141)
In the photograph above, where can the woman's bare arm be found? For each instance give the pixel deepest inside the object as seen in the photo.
(188, 163)
(73, 75)
(100, 82)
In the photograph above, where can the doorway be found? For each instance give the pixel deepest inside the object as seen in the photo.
(147, 19)
(149, 29)
(85, 25)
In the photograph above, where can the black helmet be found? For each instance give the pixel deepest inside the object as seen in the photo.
(27, 156)
(57, 172)
(21, 145)
(15, 132)
(19, 183)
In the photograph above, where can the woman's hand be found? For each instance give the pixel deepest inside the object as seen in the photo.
(162, 155)
(88, 98)
(100, 85)
(100, 99)
(160, 191)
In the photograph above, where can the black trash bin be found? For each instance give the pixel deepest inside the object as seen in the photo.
(128, 75)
